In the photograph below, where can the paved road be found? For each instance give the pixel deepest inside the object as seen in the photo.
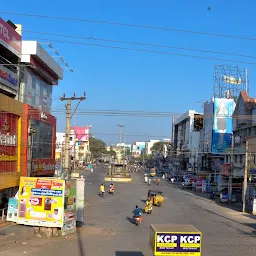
(108, 231)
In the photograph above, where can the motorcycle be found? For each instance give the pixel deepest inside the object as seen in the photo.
(183, 185)
(101, 194)
(137, 220)
(91, 171)
(149, 182)
(111, 191)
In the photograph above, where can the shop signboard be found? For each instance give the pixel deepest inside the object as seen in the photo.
(178, 243)
(9, 38)
(8, 78)
(41, 202)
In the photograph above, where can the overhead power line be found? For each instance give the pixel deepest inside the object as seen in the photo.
(128, 25)
(143, 50)
(139, 43)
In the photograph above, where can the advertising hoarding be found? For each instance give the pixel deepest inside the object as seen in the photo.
(223, 111)
(41, 202)
(82, 133)
(178, 243)
(221, 142)
(9, 38)
(36, 92)
(69, 224)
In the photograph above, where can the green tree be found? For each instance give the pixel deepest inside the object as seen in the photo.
(158, 146)
(97, 147)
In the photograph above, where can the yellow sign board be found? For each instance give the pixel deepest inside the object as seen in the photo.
(41, 202)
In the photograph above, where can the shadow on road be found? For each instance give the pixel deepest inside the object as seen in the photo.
(80, 242)
(131, 220)
(119, 253)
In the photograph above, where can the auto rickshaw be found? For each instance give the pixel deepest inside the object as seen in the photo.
(157, 197)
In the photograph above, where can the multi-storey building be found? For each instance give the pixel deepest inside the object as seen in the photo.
(186, 131)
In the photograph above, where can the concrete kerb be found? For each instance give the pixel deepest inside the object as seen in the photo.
(118, 179)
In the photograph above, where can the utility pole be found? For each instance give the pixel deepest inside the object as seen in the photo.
(245, 175)
(67, 137)
(120, 126)
(230, 178)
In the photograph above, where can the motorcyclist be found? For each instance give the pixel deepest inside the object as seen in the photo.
(136, 212)
(102, 189)
(111, 188)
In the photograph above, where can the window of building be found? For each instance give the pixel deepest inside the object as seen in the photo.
(241, 159)
(42, 140)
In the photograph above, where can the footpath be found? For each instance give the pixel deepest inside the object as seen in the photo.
(231, 211)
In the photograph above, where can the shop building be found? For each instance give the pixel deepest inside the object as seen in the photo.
(39, 73)
(12, 123)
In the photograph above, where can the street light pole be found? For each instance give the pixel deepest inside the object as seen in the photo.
(120, 139)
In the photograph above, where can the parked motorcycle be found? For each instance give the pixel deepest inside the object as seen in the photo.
(212, 195)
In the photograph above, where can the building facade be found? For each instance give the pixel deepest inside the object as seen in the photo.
(244, 128)
(186, 131)
(138, 148)
(12, 122)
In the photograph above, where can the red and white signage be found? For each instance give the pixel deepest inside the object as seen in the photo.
(10, 38)
(82, 133)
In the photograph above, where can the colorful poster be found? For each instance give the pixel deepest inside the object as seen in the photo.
(12, 211)
(69, 225)
(223, 111)
(41, 202)
(70, 201)
(178, 243)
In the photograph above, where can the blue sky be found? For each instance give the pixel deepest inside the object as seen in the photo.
(127, 80)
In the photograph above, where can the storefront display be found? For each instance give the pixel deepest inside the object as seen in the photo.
(46, 202)
(8, 142)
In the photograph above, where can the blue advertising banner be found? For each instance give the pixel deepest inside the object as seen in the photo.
(221, 142)
(176, 243)
(223, 111)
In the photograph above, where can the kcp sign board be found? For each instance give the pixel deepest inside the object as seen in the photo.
(178, 243)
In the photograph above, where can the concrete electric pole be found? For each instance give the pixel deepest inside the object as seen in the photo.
(67, 137)
(245, 175)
